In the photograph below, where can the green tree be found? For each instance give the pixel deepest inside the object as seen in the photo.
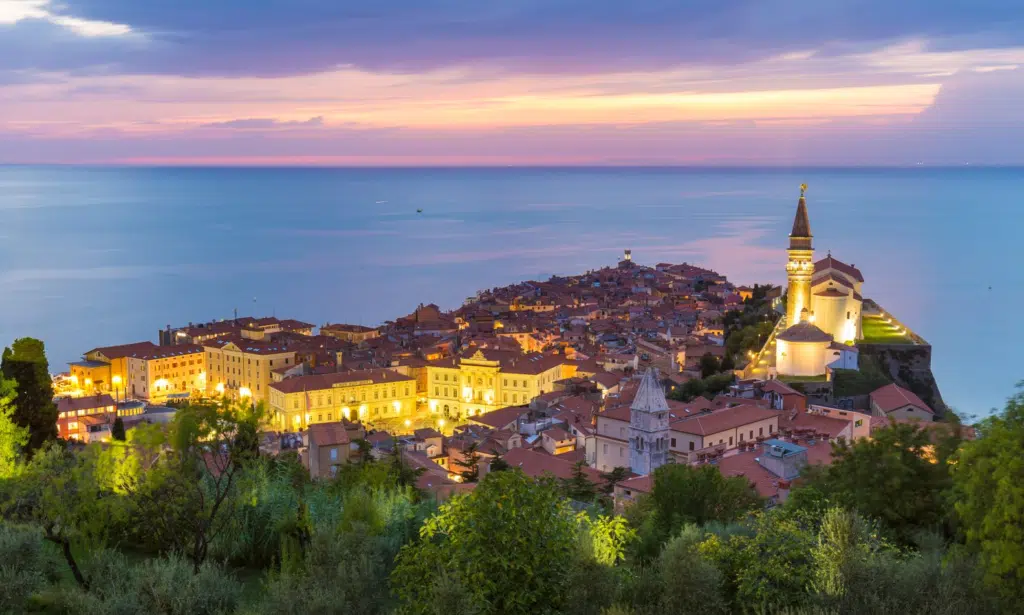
(689, 583)
(498, 463)
(709, 366)
(470, 462)
(578, 486)
(404, 474)
(989, 496)
(187, 497)
(511, 541)
(13, 437)
(25, 363)
(890, 477)
(117, 432)
(698, 494)
(613, 478)
(61, 492)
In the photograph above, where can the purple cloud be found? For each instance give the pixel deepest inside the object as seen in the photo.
(265, 123)
(275, 37)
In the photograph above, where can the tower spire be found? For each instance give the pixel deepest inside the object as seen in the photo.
(800, 236)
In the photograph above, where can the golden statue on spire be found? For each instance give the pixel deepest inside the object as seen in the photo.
(803, 189)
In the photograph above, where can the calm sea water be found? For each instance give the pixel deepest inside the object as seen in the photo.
(98, 256)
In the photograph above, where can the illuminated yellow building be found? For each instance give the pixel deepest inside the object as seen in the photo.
(105, 370)
(167, 372)
(380, 397)
(242, 367)
(490, 379)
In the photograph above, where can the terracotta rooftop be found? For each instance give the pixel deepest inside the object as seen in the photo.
(328, 434)
(892, 397)
(119, 352)
(721, 420)
(327, 381)
(536, 464)
(501, 417)
(830, 263)
(74, 404)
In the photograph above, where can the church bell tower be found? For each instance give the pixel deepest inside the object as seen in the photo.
(800, 267)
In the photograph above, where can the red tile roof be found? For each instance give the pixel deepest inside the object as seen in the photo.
(830, 263)
(92, 402)
(124, 350)
(501, 417)
(537, 464)
(328, 434)
(892, 397)
(721, 420)
(327, 381)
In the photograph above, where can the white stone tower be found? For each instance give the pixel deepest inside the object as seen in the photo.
(648, 426)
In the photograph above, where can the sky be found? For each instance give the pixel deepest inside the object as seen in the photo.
(512, 82)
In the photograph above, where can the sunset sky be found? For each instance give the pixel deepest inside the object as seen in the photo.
(453, 82)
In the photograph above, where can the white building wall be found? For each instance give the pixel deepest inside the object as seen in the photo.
(801, 358)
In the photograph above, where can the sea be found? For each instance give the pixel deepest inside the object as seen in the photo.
(95, 256)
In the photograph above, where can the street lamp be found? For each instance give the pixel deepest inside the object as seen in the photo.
(116, 381)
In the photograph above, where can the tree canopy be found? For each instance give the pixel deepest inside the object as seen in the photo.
(989, 487)
(25, 362)
(510, 541)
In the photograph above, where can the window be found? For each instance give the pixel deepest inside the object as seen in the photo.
(504, 382)
(334, 454)
(760, 431)
(515, 398)
(330, 417)
(858, 422)
(319, 418)
(606, 449)
(771, 429)
(691, 445)
(730, 440)
(295, 403)
(673, 442)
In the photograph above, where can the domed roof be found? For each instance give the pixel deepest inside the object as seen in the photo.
(804, 332)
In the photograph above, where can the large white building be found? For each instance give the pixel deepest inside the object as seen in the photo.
(824, 303)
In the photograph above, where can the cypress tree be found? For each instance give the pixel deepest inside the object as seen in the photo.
(25, 363)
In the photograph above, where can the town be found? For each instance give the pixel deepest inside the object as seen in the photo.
(630, 440)
(585, 373)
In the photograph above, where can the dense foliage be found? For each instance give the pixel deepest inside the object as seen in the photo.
(25, 363)
(193, 519)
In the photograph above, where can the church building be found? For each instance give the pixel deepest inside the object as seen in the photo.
(824, 302)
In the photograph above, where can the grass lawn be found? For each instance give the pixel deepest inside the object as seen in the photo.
(820, 378)
(877, 331)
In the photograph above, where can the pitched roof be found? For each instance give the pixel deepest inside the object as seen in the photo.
(804, 332)
(328, 434)
(830, 263)
(721, 420)
(74, 404)
(502, 417)
(776, 386)
(893, 397)
(119, 352)
(822, 424)
(327, 381)
(536, 464)
(650, 397)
